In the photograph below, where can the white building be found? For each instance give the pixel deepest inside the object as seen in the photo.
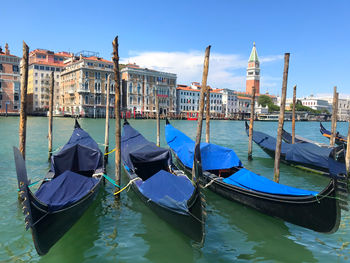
(229, 102)
(316, 103)
(188, 99)
(143, 84)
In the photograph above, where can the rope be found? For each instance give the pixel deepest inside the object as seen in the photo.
(130, 182)
(33, 184)
(110, 151)
(208, 184)
(110, 180)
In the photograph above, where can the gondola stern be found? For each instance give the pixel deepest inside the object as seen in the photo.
(197, 175)
(23, 182)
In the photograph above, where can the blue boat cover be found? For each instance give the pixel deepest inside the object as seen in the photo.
(251, 181)
(214, 157)
(80, 153)
(305, 153)
(136, 149)
(168, 190)
(65, 189)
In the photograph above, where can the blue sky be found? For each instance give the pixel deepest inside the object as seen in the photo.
(172, 36)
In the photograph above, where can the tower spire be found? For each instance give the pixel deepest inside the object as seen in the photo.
(253, 72)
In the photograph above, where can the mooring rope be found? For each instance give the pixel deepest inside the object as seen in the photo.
(130, 182)
(30, 185)
(110, 180)
(110, 151)
(212, 181)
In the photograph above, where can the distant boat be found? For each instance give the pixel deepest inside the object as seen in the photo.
(268, 117)
(161, 185)
(339, 139)
(66, 191)
(192, 116)
(224, 174)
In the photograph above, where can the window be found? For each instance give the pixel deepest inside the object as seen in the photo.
(138, 89)
(86, 74)
(58, 69)
(47, 68)
(86, 99)
(130, 88)
(15, 97)
(15, 68)
(138, 100)
(130, 100)
(0, 96)
(41, 68)
(36, 67)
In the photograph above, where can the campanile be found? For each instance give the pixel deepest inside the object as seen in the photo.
(253, 73)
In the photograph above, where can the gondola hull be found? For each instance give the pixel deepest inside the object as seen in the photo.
(321, 214)
(191, 224)
(308, 167)
(50, 227)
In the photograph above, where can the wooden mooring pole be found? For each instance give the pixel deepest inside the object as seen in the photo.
(276, 173)
(107, 121)
(117, 113)
(201, 104)
(157, 119)
(334, 116)
(23, 110)
(52, 92)
(251, 123)
(293, 113)
(347, 157)
(207, 116)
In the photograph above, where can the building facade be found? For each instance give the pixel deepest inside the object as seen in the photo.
(83, 86)
(253, 72)
(9, 82)
(229, 102)
(188, 100)
(41, 63)
(142, 85)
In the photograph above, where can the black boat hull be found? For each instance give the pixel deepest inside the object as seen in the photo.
(191, 224)
(321, 214)
(50, 227)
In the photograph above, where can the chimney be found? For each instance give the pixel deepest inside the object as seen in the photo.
(7, 51)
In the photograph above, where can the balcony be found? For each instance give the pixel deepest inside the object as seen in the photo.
(97, 91)
(71, 91)
(83, 90)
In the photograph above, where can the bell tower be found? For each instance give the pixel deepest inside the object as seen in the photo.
(253, 73)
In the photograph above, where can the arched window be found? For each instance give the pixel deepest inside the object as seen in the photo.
(86, 85)
(130, 100)
(147, 90)
(138, 88)
(130, 88)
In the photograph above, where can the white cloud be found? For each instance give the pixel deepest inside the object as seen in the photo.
(225, 70)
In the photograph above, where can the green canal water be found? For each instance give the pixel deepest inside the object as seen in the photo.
(129, 232)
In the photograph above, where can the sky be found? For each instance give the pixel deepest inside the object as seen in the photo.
(172, 36)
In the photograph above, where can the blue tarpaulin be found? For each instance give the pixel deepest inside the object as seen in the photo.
(304, 153)
(168, 190)
(81, 153)
(249, 180)
(135, 149)
(65, 189)
(214, 157)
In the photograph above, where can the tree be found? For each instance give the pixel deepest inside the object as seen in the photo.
(273, 107)
(264, 100)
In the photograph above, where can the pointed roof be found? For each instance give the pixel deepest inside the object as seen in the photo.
(253, 55)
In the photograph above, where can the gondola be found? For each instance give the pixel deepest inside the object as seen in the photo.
(66, 191)
(161, 185)
(339, 139)
(307, 156)
(224, 174)
(287, 137)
